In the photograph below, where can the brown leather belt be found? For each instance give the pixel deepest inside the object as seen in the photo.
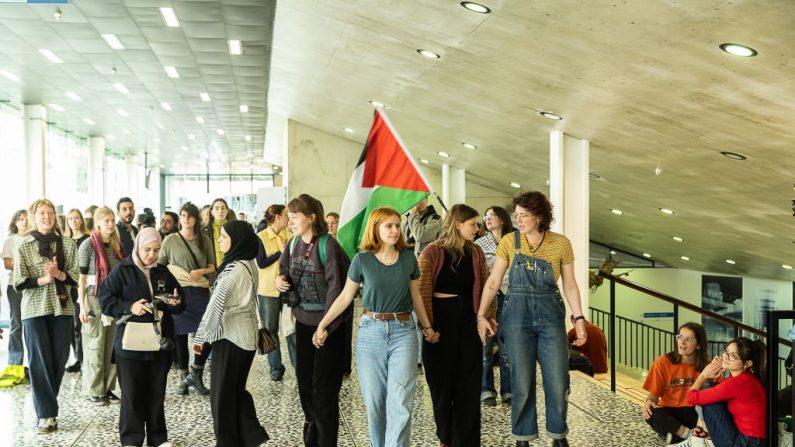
(400, 316)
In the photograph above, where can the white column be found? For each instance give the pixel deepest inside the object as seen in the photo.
(453, 185)
(35, 116)
(96, 170)
(569, 193)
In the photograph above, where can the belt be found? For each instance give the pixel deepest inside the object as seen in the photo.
(400, 316)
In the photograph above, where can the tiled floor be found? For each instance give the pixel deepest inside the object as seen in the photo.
(596, 416)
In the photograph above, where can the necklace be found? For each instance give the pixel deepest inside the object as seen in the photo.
(532, 265)
(383, 260)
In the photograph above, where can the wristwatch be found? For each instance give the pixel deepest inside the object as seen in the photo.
(578, 317)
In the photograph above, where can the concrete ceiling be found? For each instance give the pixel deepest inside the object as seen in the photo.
(645, 82)
(198, 49)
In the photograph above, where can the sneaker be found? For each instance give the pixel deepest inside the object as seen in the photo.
(47, 425)
(73, 368)
(99, 401)
(506, 398)
(490, 401)
(165, 444)
(112, 397)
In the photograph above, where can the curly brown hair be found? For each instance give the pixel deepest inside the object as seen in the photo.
(536, 203)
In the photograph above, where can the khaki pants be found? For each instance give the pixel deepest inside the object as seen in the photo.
(99, 374)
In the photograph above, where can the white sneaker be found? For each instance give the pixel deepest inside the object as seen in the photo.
(165, 444)
(47, 425)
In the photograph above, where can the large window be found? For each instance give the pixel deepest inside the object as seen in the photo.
(67, 170)
(12, 177)
(194, 188)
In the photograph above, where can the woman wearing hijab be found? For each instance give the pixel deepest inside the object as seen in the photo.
(45, 265)
(128, 293)
(230, 324)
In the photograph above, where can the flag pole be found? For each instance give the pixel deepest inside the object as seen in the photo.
(444, 207)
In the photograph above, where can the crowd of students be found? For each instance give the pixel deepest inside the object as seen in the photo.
(440, 291)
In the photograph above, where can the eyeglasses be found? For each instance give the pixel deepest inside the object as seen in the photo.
(520, 216)
(731, 356)
(490, 216)
(680, 337)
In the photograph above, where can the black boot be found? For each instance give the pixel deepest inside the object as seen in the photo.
(522, 443)
(196, 380)
(560, 443)
(182, 387)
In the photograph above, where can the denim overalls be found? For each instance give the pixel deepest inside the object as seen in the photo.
(533, 329)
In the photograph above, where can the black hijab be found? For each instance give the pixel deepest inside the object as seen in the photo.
(245, 243)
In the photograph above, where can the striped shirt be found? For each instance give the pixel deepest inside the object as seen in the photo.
(28, 264)
(556, 249)
(87, 261)
(232, 311)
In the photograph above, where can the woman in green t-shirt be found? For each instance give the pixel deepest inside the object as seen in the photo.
(386, 347)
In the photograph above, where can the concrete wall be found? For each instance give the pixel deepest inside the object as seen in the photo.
(320, 164)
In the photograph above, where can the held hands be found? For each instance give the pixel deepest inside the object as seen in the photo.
(139, 307)
(197, 349)
(582, 335)
(281, 283)
(486, 328)
(648, 405)
(430, 334)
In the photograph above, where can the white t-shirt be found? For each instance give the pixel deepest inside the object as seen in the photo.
(10, 250)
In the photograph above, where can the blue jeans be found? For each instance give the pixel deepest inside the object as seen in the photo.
(487, 384)
(16, 349)
(269, 310)
(386, 355)
(48, 340)
(722, 428)
(533, 330)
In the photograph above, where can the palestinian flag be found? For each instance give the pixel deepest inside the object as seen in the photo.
(386, 175)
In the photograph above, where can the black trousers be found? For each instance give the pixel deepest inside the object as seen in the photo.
(668, 419)
(346, 364)
(234, 416)
(183, 355)
(453, 370)
(143, 393)
(77, 334)
(319, 374)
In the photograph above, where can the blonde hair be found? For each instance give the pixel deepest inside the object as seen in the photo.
(32, 215)
(82, 222)
(450, 238)
(371, 238)
(115, 239)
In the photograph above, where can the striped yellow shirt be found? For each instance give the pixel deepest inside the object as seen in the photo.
(556, 249)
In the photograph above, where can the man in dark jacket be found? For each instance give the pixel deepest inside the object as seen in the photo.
(125, 209)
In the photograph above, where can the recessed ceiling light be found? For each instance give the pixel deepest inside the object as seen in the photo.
(348, 130)
(677, 238)
(424, 161)
(550, 115)
(786, 267)
(219, 131)
(56, 107)
(170, 17)
(157, 140)
(74, 96)
(166, 106)
(110, 137)
(684, 258)
(205, 97)
(191, 136)
(469, 146)
(171, 72)
(429, 54)
(184, 148)
(51, 56)
(89, 121)
(200, 120)
(612, 252)
(730, 261)
(476, 7)
(444, 154)
(515, 185)
(243, 108)
(160, 126)
(235, 47)
(122, 112)
(615, 211)
(113, 41)
(378, 104)
(121, 88)
(275, 168)
(247, 137)
(666, 211)
(736, 49)
(10, 76)
(733, 155)
(646, 255)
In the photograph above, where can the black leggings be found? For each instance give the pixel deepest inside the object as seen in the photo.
(668, 419)
(183, 356)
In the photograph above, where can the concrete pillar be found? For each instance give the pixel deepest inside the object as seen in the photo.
(35, 118)
(569, 193)
(96, 170)
(453, 185)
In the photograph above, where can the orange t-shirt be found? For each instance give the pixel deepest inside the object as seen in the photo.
(670, 381)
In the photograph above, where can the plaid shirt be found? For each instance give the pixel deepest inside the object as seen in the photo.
(488, 244)
(41, 301)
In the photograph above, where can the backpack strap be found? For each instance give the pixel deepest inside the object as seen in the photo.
(322, 247)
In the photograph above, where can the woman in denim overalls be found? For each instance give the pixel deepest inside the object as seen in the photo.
(533, 327)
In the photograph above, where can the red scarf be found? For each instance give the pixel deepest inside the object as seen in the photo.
(101, 263)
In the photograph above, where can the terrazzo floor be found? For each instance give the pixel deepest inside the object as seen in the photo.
(596, 416)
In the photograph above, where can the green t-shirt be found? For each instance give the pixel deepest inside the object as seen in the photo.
(385, 288)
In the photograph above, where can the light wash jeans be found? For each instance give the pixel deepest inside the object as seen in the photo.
(16, 348)
(269, 310)
(487, 384)
(386, 356)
